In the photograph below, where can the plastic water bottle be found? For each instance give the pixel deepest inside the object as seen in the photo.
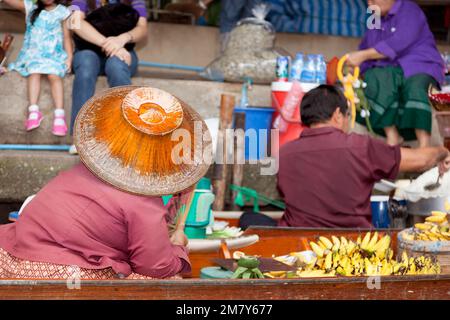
(309, 70)
(297, 67)
(321, 69)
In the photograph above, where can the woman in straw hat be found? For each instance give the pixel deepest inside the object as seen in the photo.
(105, 217)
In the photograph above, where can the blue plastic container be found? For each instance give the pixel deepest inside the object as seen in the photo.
(258, 122)
(380, 211)
(215, 273)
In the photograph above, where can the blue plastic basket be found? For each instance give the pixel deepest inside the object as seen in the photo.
(258, 122)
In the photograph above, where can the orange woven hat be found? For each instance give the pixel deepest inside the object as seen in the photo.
(127, 136)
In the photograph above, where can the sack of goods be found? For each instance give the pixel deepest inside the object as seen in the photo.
(249, 53)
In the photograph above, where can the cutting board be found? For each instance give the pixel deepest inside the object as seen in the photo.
(266, 265)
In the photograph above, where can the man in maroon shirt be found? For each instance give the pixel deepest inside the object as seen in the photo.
(326, 177)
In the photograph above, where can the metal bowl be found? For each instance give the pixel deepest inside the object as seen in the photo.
(423, 207)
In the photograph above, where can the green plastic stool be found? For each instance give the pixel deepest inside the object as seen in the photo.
(215, 273)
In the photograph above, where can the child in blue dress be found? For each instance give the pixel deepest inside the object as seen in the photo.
(47, 50)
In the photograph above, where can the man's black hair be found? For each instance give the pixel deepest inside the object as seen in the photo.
(319, 104)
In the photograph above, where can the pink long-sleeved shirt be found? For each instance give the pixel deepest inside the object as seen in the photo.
(77, 219)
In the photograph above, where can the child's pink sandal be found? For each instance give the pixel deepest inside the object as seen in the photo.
(59, 126)
(34, 118)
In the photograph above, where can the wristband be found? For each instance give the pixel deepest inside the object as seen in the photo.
(131, 37)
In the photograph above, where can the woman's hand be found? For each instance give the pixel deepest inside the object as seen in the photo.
(356, 58)
(179, 238)
(113, 44)
(68, 64)
(123, 55)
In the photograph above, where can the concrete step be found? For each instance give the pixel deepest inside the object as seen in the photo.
(204, 96)
(23, 173)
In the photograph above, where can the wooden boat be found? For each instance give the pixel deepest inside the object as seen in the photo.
(275, 241)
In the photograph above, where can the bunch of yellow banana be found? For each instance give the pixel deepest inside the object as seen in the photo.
(435, 228)
(370, 255)
(415, 265)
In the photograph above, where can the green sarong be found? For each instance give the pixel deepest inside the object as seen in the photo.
(398, 101)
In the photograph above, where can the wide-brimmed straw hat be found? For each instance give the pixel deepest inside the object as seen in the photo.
(127, 136)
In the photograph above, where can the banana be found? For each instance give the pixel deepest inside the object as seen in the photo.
(432, 236)
(328, 244)
(340, 270)
(358, 241)
(447, 205)
(422, 226)
(412, 269)
(405, 257)
(322, 245)
(408, 236)
(410, 262)
(438, 213)
(369, 268)
(365, 241)
(336, 260)
(346, 266)
(317, 249)
(343, 246)
(379, 243)
(314, 273)
(351, 247)
(386, 268)
(276, 274)
(335, 248)
(336, 241)
(434, 229)
(436, 219)
(382, 246)
(396, 268)
(423, 237)
(329, 261)
(372, 242)
(347, 258)
(344, 241)
(446, 234)
(391, 254)
(348, 269)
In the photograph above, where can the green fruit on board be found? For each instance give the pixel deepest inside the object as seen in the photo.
(248, 262)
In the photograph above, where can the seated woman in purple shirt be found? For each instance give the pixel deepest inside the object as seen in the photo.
(399, 61)
(103, 45)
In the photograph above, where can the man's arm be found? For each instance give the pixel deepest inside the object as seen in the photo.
(138, 33)
(422, 159)
(356, 58)
(85, 30)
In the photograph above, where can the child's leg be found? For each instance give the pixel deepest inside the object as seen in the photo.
(423, 137)
(56, 85)
(59, 123)
(392, 136)
(34, 115)
(34, 88)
